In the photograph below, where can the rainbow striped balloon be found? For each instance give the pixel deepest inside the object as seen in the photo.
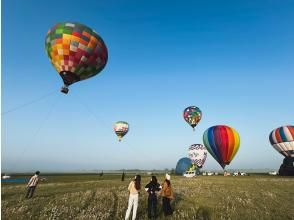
(282, 139)
(76, 51)
(222, 142)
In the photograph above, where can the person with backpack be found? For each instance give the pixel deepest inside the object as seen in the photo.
(152, 187)
(167, 196)
(134, 188)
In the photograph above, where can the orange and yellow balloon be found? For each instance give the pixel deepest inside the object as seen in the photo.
(222, 142)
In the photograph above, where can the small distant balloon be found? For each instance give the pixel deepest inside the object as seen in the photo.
(282, 139)
(192, 116)
(121, 128)
(222, 142)
(197, 153)
(76, 51)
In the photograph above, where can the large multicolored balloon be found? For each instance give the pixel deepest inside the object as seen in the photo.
(222, 142)
(183, 165)
(197, 153)
(282, 140)
(121, 128)
(76, 51)
(192, 115)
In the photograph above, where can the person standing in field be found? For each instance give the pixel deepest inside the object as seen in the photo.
(123, 176)
(32, 184)
(134, 188)
(167, 196)
(151, 188)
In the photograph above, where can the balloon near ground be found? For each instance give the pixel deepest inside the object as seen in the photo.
(222, 142)
(282, 139)
(121, 128)
(197, 153)
(183, 165)
(76, 51)
(192, 116)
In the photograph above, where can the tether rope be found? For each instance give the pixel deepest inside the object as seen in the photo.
(28, 103)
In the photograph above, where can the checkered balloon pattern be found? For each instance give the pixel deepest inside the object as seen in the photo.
(197, 153)
(76, 50)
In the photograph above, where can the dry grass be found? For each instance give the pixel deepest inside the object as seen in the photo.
(92, 197)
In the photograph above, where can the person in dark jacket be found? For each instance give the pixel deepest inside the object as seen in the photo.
(152, 187)
(123, 176)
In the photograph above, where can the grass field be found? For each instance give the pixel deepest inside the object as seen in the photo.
(204, 197)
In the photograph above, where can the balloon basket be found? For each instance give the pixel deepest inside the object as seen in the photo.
(287, 167)
(64, 90)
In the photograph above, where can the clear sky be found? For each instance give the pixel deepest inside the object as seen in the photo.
(232, 59)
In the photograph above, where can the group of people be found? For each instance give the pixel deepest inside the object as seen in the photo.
(152, 188)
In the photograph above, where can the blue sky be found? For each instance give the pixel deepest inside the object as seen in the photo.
(232, 59)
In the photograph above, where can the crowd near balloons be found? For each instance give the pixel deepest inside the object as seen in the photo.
(78, 53)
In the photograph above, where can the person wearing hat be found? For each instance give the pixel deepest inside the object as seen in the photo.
(32, 184)
(134, 188)
(167, 195)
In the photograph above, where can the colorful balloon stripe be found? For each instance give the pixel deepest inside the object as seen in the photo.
(222, 142)
(282, 139)
(282, 134)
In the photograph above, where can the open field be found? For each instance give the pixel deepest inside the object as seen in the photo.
(204, 197)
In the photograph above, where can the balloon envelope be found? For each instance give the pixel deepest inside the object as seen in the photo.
(76, 51)
(222, 142)
(121, 128)
(282, 139)
(183, 165)
(192, 115)
(197, 153)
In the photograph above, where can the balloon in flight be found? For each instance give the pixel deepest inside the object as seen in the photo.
(121, 128)
(282, 139)
(222, 142)
(192, 116)
(76, 51)
(197, 153)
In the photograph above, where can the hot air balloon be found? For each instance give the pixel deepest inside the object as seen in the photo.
(76, 51)
(282, 139)
(222, 142)
(183, 165)
(197, 153)
(121, 128)
(192, 115)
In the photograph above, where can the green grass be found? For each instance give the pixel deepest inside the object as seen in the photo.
(204, 197)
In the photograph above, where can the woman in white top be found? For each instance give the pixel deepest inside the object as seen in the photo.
(134, 188)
